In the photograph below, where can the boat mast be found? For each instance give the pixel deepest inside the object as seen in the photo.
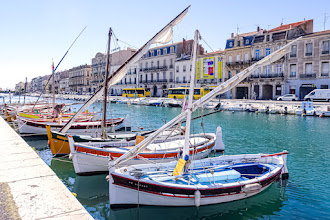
(57, 67)
(104, 131)
(53, 87)
(185, 152)
(25, 89)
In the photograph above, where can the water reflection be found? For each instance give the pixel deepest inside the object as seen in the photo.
(268, 203)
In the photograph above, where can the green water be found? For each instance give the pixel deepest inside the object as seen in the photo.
(304, 196)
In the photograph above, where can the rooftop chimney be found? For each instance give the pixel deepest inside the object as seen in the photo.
(232, 35)
(258, 28)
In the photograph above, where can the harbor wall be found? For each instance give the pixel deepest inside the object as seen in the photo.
(33, 186)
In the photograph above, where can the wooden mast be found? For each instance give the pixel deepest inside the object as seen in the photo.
(104, 132)
(53, 88)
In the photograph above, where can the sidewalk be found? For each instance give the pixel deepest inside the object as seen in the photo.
(28, 186)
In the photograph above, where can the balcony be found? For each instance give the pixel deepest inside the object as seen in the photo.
(162, 80)
(171, 66)
(308, 75)
(308, 54)
(267, 75)
(325, 51)
(324, 74)
(170, 80)
(292, 55)
(239, 63)
(154, 69)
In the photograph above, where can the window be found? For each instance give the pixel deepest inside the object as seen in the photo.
(238, 58)
(257, 53)
(177, 69)
(229, 74)
(171, 61)
(293, 51)
(177, 80)
(267, 38)
(293, 70)
(278, 68)
(309, 49)
(267, 69)
(184, 68)
(325, 69)
(246, 57)
(165, 51)
(164, 63)
(158, 52)
(230, 59)
(325, 47)
(152, 77)
(238, 43)
(152, 64)
(278, 90)
(146, 77)
(184, 79)
(172, 49)
(171, 76)
(157, 76)
(267, 51)
(164, 75)
(152, 53)
(308, 68)
(146, 65)
(157, 63)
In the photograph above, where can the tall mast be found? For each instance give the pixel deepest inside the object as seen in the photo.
(104, 132)
(25, 88)
(190, 99)
(53, 87)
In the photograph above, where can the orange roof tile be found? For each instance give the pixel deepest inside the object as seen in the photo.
(287, 26)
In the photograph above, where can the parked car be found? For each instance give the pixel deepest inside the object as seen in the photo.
(318, 95)
(288, 97)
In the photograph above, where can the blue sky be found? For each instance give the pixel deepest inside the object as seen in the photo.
(35, 32)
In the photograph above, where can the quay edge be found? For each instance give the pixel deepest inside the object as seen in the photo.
(36, 190)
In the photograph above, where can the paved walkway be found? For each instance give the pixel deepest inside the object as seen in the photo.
(29, 189)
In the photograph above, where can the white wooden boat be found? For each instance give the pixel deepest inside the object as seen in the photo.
(35, 126)
(93, 157)
(173, 103)
(207, 181)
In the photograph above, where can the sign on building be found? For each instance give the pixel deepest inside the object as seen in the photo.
(208, 68)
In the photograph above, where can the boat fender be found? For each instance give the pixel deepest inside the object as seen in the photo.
(219, 145)
(250, 188)
(197, 198)
(70, 156)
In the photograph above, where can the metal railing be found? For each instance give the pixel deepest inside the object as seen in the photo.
(307, 75)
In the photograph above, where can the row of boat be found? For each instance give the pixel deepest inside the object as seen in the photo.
(169, 166)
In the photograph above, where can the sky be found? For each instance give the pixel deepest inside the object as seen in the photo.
(33, 33)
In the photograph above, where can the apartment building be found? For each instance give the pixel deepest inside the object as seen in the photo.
(99, 65)
(80, 79)
(308, 64)
(269, 81)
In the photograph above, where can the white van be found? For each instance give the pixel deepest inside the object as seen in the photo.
(318, 95)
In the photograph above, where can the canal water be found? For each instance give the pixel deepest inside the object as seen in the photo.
(305, 195)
